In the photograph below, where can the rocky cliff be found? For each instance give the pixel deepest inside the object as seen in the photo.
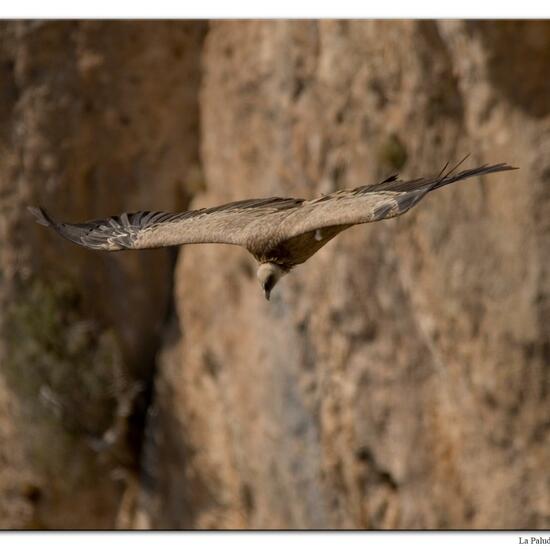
(97, 117)
(399, 379)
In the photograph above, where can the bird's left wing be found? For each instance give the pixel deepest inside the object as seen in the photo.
(233, 223)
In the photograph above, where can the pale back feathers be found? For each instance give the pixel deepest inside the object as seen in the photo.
(285, 231)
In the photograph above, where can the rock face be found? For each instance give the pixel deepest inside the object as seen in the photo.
(399, 379)
(97, 117)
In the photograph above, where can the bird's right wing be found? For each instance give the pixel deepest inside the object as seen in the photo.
(309, 227)
(370, 203)
(233, 223)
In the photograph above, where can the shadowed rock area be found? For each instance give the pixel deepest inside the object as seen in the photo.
(97, 118)
(398, 379)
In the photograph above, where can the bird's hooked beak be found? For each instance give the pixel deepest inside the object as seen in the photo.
(268, 275)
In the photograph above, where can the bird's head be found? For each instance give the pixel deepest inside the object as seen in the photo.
(269, 275)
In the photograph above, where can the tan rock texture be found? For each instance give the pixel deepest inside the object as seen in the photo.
(399, 379)
(97, 117)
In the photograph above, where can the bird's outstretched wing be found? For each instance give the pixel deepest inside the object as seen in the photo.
(312, 225)
(233, 223)
(284, 230)
(369, 203)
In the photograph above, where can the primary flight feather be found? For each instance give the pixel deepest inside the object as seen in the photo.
(279, 232)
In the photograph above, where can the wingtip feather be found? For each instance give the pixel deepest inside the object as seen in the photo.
(40, 215)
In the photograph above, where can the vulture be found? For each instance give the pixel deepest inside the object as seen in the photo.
(279, 232)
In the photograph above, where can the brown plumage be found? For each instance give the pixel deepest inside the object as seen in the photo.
(279, 232)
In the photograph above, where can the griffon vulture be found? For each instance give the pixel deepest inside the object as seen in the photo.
(279, 232)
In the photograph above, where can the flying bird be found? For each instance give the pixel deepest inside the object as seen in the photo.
(280, 233)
